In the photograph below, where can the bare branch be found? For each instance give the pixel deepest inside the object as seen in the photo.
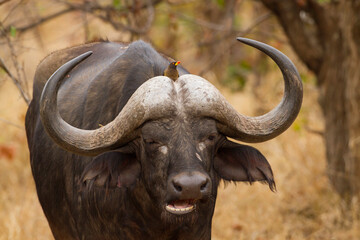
(232, 33)
(106, 13)
(24, 95)
(175, 2)
(16, 79)
(4, 1)
(11, 123)
(314, 131)
(12, 10)
(112, 16)
(200, 22)
(214, 60)
(238, 32)
(42, 20)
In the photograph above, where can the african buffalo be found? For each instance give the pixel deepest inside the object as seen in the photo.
(119, 151)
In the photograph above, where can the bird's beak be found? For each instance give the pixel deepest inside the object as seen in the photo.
(177, 63)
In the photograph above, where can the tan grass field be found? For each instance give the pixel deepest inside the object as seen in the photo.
(304, 206)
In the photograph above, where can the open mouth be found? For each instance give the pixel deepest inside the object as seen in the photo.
(181, 206)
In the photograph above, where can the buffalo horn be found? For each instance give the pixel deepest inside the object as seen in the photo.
(150, 101)
(207, 101)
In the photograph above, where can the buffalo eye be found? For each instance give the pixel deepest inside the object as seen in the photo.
(210, 138)
(152, 143)
(208, 141)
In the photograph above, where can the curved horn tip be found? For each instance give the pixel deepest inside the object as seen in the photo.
(254, 43)
(241, 39)
(75, 61)
(245, 40)
(83, 56)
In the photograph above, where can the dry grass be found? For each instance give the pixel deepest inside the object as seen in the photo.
(304, 207)
(20, 212)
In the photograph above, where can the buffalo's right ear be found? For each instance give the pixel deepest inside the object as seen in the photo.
(118, 168)
(236, 162)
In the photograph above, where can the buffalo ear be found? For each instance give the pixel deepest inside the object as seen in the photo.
(110, 170)
(236, 162)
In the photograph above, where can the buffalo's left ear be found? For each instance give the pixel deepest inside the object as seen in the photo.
(236, 162)
(118, 168)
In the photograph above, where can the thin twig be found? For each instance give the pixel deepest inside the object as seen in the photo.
(200, 22)
(107, 17)
(4, 1)
(112, 16)
(314, 131)
(25, 80)
(214, 60)
(33, 16)
(10, 123)
(104, 13)
(239, 33)
(42, 20)
(12, 10)
(176, 3)
(15, 81)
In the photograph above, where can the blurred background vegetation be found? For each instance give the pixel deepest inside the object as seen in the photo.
(316, 162)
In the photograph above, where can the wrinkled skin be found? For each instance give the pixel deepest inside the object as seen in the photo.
(123, 194)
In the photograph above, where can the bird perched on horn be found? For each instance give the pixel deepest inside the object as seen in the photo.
(171, 71)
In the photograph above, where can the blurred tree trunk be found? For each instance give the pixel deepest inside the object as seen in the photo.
(326, 37)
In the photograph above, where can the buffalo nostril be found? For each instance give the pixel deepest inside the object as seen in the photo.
(203, 186)
(177, 187)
